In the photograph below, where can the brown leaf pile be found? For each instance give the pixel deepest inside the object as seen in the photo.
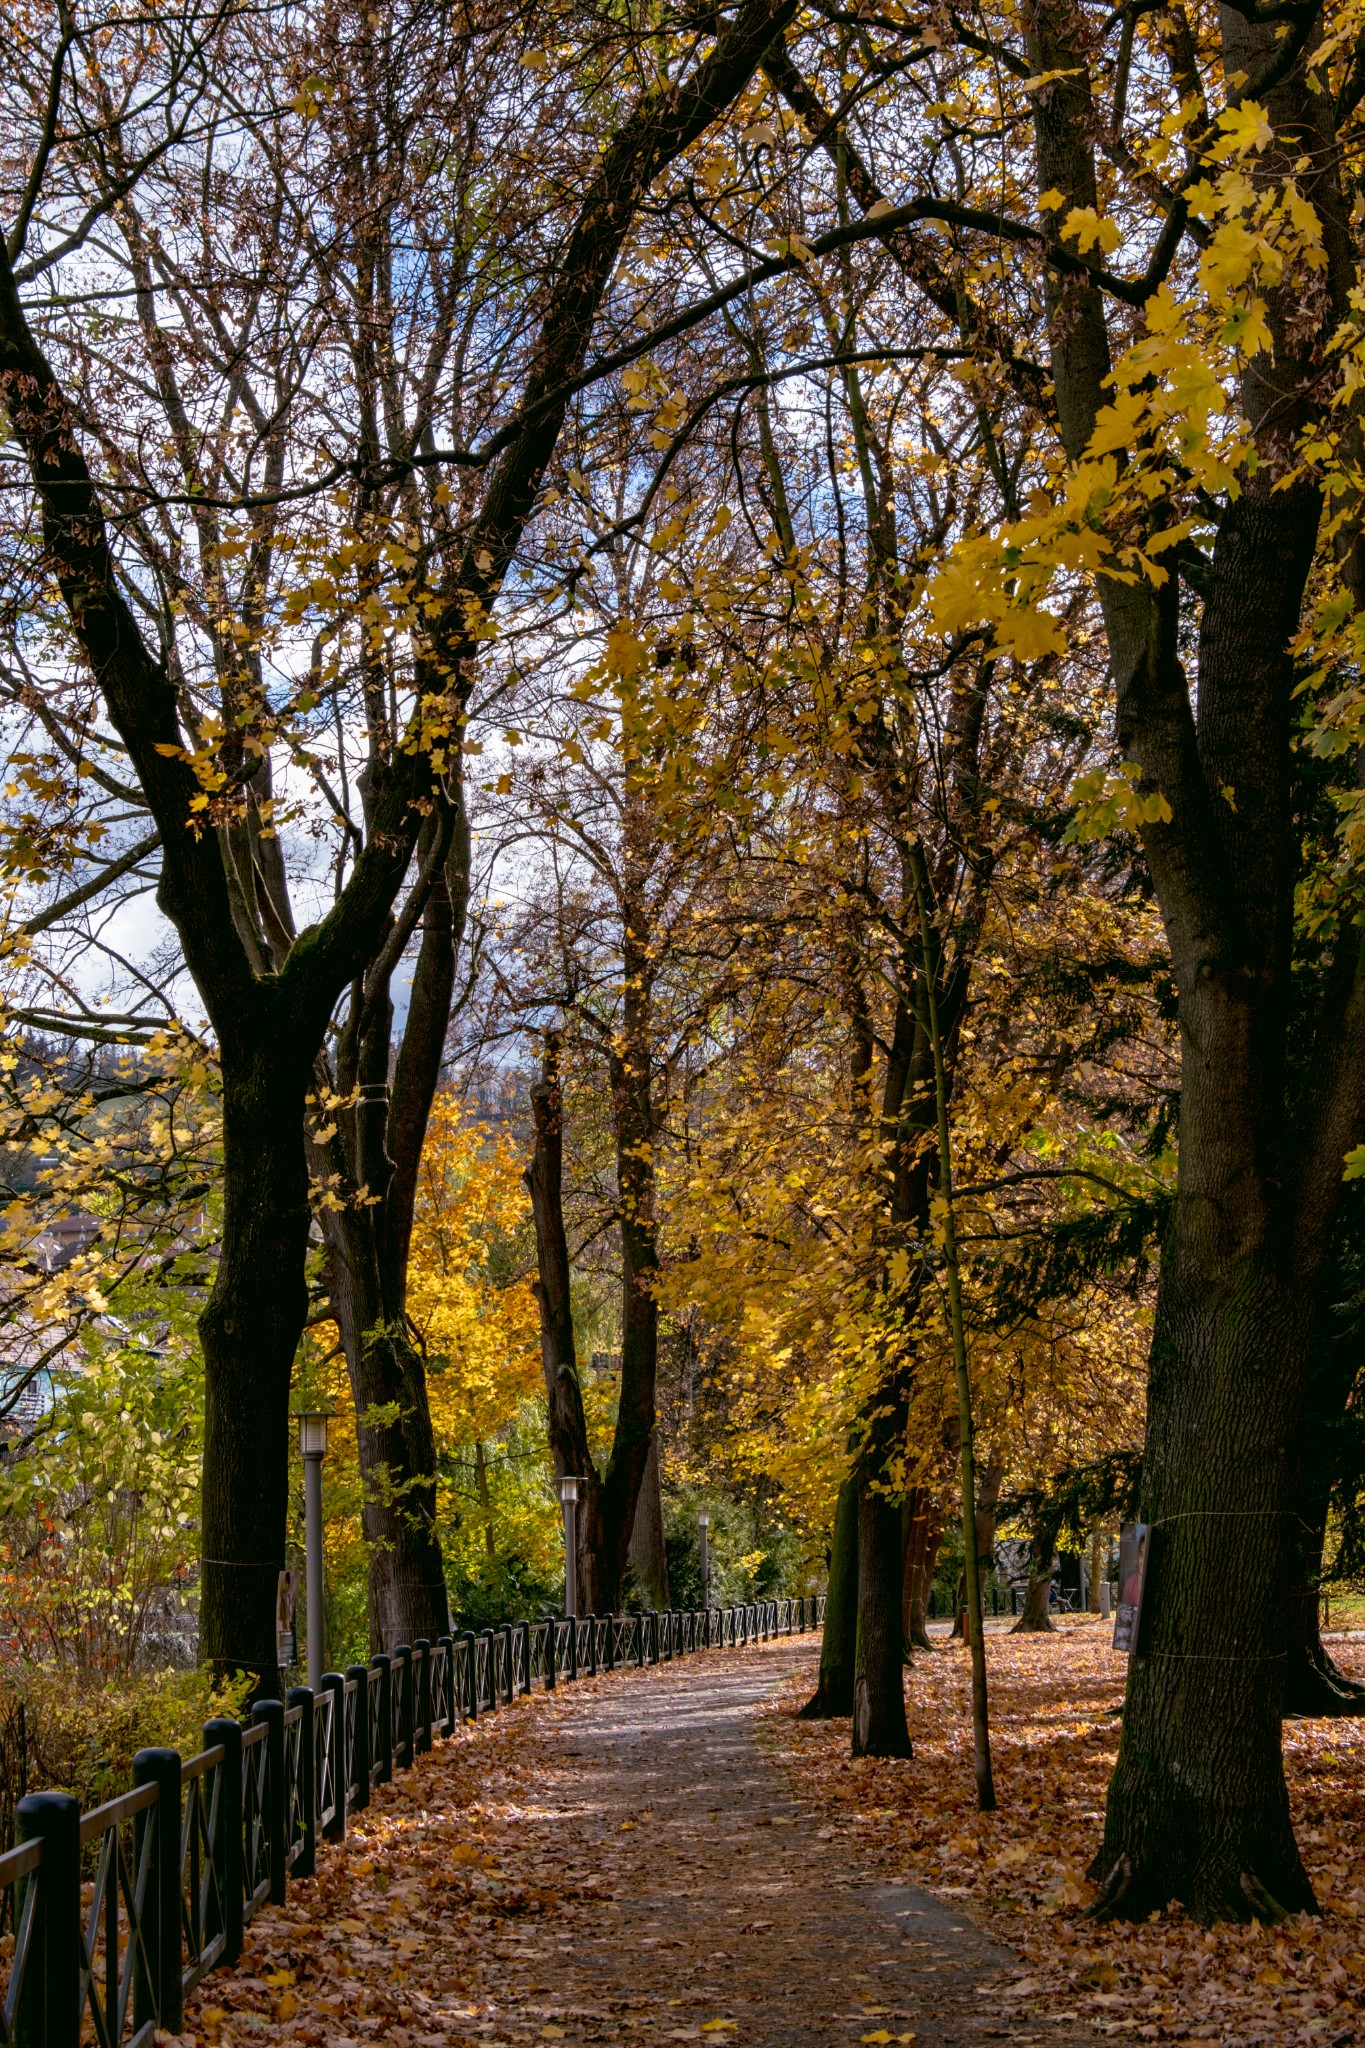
(1021, 1870)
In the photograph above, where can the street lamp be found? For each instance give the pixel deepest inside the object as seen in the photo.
(568, 1500)
(313, 1448)
(703, 1525)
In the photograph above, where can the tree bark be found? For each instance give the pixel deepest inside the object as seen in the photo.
(1036, 1617)
(568, 1426)
(648, 1558)
(833, 1698)
(987, 1506)
(924, 1534)
(249, 1330)
(879, 1724)
(378, 1149)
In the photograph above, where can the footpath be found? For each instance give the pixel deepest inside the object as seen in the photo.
(621, 1861)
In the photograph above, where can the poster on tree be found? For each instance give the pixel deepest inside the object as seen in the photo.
(1133, 1547)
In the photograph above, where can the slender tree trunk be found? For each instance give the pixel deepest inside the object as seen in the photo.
(648, 1558)
(833, 1699)
(250, 1329)
(485, 1498)
(563, 1392)
(1314, 1683)
(924, 1538)
(987, 1505)
(879, 1725)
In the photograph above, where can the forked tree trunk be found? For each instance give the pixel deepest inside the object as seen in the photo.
(833, 1697)
(879, 1725)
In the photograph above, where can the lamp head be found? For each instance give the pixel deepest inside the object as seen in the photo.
(703, 1520)
(568, 1489)
(313, 1431)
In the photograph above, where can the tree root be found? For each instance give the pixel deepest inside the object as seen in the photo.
(823, 1707)
(1042, 1627)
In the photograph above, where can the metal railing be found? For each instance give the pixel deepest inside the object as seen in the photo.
(118, 1913)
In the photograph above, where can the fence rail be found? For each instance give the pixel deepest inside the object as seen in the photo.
(106, 1944)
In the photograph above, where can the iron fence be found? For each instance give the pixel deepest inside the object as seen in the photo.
(115, 1915)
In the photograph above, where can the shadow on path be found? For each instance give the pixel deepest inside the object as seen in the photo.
(726, 1898)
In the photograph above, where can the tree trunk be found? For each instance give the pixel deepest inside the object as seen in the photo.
(1036, 1618)
(879, 1725)
(1198, 1807)
(648, 1558)
(406, 1591)
(1314, 1685)
(250, 1329)
(833, 1698)
(630, 1060)
(923, 1515)
(568, 1426)
(987, 1507)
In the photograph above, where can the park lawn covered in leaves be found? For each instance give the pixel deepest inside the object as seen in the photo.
(1022, 1869)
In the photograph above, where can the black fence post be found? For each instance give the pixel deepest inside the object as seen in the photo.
(225, 1899)
(49, 2008)
(471, 1658)
(525, 1628)
(450, 1706)
(611, 1642)
(359, 1676)
(276, 1795)
(306, 1862)
(571, 1668)
(401, 1681)
(334, 1830)
(382, 1764)
(550, 1654)
(156, 1971)
(421, 1695)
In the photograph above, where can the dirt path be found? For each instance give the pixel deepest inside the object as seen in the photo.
(621, 1862)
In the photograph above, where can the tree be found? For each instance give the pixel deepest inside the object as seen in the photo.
(270, 994)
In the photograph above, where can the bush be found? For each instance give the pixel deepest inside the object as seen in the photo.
(81, 1736)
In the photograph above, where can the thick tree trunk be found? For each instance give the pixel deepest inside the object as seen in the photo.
(1036, 1618)
(648, 1558)
(250, 1329)
(833, 1698)
(879, 1725)
(406, 1590)
(1198, 1807)
(923, 1514)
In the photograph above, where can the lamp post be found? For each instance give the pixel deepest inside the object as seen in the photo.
(703, 1525)
(313, 1447)
(568, 1500)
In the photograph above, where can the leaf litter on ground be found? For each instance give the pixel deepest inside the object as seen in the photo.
(448, 1917)
(1021, 1870)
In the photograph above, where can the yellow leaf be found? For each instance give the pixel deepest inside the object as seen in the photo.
(1091, 230)
(719, 2026)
